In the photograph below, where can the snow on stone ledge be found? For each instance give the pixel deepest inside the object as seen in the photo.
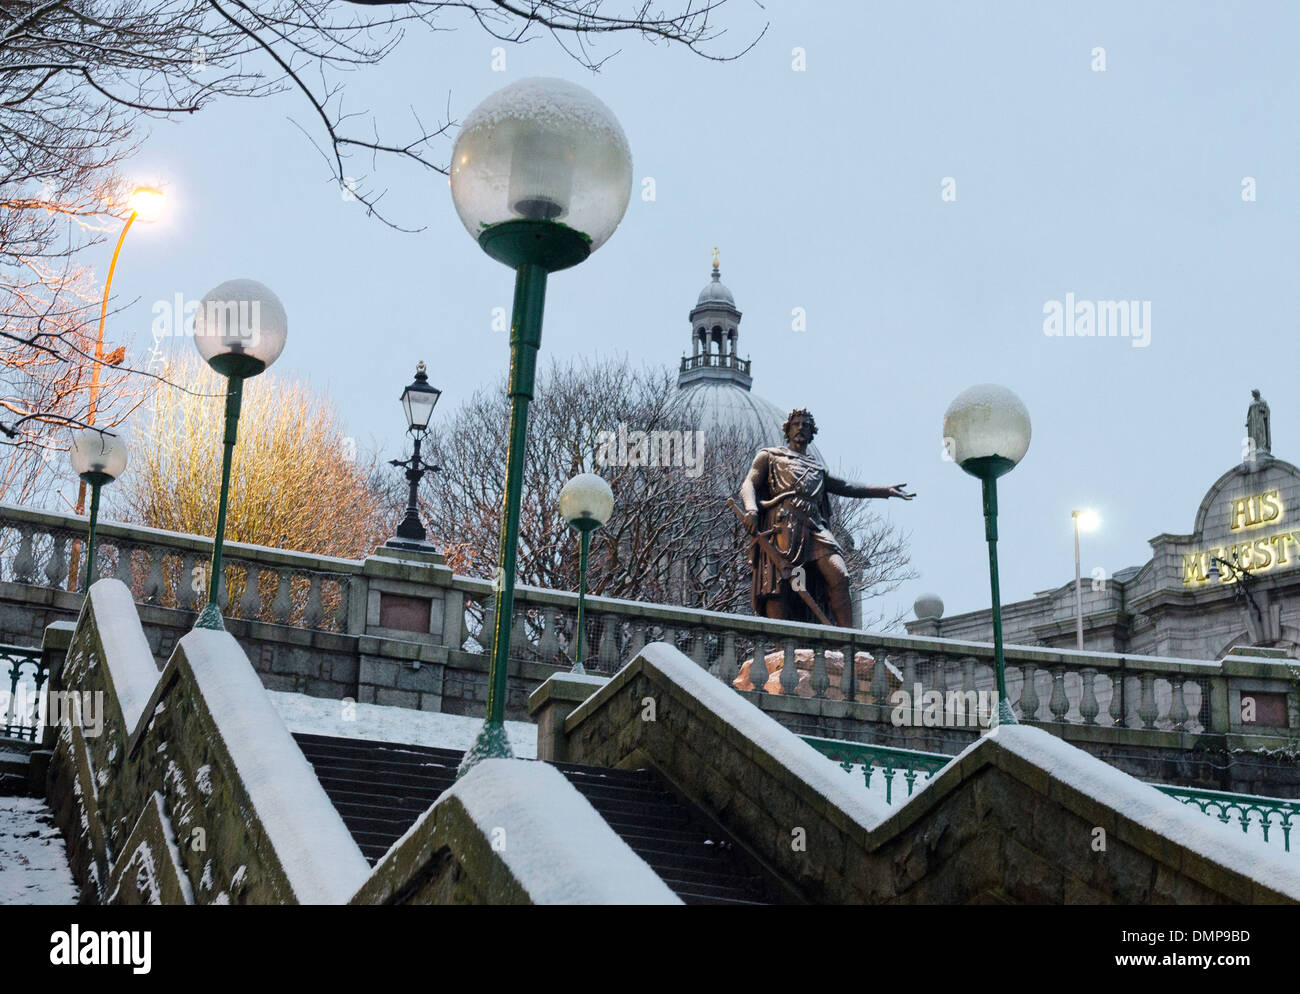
(1184, 825)
(127, 654)
(318, 854)
(819, 773)
(384, 723)
(555, 844)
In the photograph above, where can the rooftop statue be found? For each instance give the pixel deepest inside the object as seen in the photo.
(799, 568)
(1259, 432)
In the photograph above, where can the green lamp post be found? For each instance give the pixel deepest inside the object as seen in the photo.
(986, 431)
(541, 175)
(98, 457)
(240, 329)
(586, 502)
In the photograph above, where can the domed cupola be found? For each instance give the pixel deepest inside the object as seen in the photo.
(715, 324)
(714, 381)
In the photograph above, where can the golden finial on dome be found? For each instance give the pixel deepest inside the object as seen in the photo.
(715, 257)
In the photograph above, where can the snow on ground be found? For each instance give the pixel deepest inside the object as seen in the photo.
(346, 719)
(33, 860)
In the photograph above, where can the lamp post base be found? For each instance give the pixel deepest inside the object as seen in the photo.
(210, 619)
(1005, 715)
(490, 743)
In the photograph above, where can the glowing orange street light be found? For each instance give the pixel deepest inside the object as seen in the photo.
(146, 204)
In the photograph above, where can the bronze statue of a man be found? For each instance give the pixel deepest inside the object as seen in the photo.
(786, 501)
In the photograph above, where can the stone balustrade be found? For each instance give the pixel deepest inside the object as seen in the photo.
(400, 628)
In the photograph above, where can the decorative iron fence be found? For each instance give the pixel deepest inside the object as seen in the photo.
(22, 711)
(1271, 817)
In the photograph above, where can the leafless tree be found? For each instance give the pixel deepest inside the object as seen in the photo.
(673, 538)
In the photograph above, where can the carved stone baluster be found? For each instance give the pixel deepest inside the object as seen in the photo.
(153, 576)
(848, 678)
(282, 606)
(820, 679)
(699, 650)
(1059, 703)
(190, 586)
(758, 668)
(1178, 708)
(608, 650)
(636, 640)
(548, 644)
(909, 675)
(1028, 692)
(1088, 706)
(250, 605)
(880, 680)
(25, 562)
(315, 610)
(56, 569)
(519, 632)
(1116, 710)
(724, 665)
(123, 568)
(968, 674)
(1147, 709)
(789, 670)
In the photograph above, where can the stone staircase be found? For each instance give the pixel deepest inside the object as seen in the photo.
(381, 788)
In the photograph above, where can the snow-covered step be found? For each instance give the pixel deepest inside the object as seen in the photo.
(33, 859)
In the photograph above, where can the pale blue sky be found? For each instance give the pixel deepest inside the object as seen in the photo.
(822, 189)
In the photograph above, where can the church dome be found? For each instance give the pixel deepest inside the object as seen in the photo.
(714, 381)
(715, 292)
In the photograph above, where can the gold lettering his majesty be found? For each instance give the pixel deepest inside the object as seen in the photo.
(1256, 509)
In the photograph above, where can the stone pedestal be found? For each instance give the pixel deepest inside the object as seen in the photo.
(551, 703)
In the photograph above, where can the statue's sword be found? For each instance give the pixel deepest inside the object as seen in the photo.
(781, 563)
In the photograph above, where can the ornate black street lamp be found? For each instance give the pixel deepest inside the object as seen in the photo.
(541, 175)
(418, 400)
(240, 329)
(986, 431)
(97, 457)
(1244, 581)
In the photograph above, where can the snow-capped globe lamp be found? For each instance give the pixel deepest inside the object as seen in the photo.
(586, 502)
(541, 175)
(986, 432)
(240, 329)
(98, 457)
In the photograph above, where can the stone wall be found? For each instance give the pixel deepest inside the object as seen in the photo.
(993, 827)
(193, 789)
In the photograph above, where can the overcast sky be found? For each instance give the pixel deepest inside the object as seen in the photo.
(823, 190)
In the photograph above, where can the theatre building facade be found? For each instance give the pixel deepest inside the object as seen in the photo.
(1233, 581)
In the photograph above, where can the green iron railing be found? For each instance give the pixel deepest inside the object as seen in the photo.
(887, 759)
(27, 673)
(1248, 810)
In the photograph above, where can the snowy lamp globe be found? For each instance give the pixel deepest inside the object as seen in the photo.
(240, 328)
(586, 502)
(541, 172)
(986, 432)
(98, 457)
(541, 175)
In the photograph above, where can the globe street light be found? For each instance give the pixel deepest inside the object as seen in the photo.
(418, 401)
(540, 176)
(1083, 521)
(586, 502)
(240, 329)
(146, 206)
(986, 431)
(98, 457)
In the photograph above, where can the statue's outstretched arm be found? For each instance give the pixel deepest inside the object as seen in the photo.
(848, 488)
